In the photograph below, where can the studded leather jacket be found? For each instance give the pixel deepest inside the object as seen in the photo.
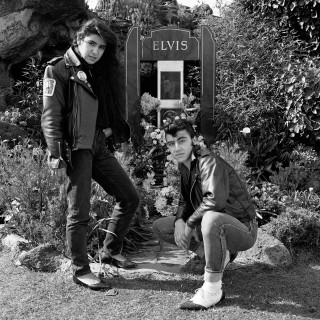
(212, 185)
(69, 110)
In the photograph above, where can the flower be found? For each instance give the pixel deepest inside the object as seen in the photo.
(148, 103)
(245, 130)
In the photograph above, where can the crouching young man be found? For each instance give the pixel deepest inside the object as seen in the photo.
(214, 205)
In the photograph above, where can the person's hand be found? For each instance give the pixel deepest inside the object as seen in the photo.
(124, 147)
(125, 151)
(107, 132)
(189, 234)
(179, 234)
(61, 173)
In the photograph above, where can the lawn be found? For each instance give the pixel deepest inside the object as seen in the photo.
(252, 293)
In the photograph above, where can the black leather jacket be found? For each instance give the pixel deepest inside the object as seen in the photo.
(70, 111)
(215, 186)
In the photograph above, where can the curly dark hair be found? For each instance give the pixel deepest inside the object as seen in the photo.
(178, 125)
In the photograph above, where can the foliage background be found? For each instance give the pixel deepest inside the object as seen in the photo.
(267, 82)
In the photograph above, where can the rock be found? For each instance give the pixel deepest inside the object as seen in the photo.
(267, 250)
(195, 265)
(13, 242)
(45, 258)
(25, 26)
(65, 266)
(28, 26)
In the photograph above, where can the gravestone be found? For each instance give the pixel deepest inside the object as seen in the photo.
(170, 47)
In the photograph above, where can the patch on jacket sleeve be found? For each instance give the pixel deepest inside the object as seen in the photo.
(48, 87)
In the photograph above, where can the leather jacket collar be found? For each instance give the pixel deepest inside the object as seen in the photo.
(196, 154)
(71, 58)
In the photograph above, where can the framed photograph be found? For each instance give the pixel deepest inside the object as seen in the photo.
(170, 85)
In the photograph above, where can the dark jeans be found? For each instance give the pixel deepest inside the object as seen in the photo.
(220, 232)
(100, 165)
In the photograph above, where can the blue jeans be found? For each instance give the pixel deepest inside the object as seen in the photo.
(220, 232)
(100, 165)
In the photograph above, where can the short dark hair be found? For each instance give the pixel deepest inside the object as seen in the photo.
(178, 125)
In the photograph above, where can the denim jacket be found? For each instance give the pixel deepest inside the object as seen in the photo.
(212, 185)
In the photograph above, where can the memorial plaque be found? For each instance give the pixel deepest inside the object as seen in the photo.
(170, 44)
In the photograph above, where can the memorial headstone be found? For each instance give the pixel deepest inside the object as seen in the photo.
(170, 47)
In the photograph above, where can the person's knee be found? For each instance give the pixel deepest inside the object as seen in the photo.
(134, 201)
(162, 227)
(210, 221)
(157, 226)
(130, 202)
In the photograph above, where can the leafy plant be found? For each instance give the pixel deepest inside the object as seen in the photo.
(28, 95)
(269, 201)
(34, 204)
(302, 172)
(236, 157)
(297, 227)
(300, 15)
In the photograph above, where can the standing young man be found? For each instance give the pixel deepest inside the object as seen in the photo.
(212, 198)
(82, 99)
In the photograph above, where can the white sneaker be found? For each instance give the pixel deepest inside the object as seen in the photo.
(89, 279)
(203, 299)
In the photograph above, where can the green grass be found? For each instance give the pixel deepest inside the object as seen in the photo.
(252, 293)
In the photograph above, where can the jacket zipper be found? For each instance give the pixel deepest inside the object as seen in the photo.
(195, 179)
(75, 122)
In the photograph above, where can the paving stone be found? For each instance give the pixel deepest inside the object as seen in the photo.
(167, 259)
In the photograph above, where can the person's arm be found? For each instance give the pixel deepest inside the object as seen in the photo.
(183, 212)
(184, 208)
(215, 189)
(52, 120)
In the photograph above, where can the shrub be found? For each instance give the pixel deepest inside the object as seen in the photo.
(34, 204)
(28, 94)
(301, 16)
(269, 201)
(101, 209)
(235, 157)
(297, 227)
(301, 174)
(303, 199)
(250, 51)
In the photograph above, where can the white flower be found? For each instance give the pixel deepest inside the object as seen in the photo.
(245, 130)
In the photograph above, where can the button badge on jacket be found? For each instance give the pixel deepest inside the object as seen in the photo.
(82, 76)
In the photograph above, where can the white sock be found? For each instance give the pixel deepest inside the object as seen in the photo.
(212, 286)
